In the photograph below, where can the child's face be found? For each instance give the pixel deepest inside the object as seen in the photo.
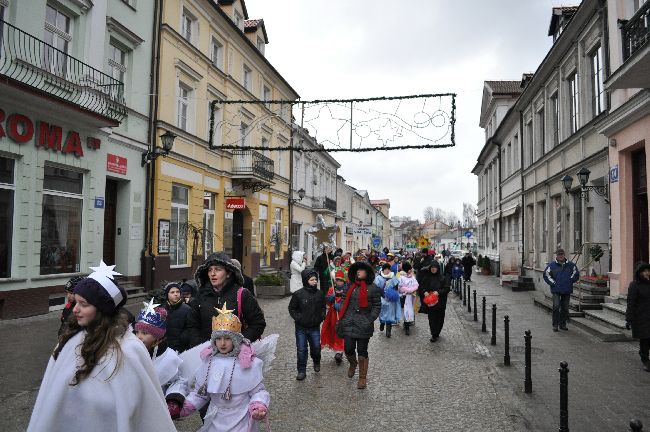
(339, 283)
(83, 311)
(147, 339)
(312, 281)
(361, 274)
(223, 344)
(174, 295)
(70, 296)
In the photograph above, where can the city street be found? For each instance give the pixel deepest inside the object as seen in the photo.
(458, 383)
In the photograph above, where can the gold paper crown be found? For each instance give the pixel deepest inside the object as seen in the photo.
(226, 321)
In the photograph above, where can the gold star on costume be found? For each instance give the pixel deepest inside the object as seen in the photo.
(223, 310)
(150, 307)
(226, 320)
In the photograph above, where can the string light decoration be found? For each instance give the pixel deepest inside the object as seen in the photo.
(338, 125)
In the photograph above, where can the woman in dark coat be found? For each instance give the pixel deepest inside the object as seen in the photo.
(358, 312)
(176, 336)
(638, 311)
(431, 280)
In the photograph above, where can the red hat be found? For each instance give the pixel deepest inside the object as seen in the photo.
(340, 274)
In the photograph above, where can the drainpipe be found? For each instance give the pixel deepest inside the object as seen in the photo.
(154, 84)
(523, 199)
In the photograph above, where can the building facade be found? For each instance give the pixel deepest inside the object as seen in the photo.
(205, 198)
(382, 221)
(74, 108)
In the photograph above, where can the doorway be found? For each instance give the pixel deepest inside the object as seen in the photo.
(640, 206)
(110, 221)
(238, 235)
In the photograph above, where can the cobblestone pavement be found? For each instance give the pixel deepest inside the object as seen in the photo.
(457, 383)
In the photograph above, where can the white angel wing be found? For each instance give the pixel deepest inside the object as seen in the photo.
(191, 362)
(265, 350)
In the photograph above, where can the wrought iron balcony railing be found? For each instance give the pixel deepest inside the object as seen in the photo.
(324, 203)
(32, 62)
(636, 31)
(252, 163)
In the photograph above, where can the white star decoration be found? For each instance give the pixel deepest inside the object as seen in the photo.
(150, 307)
(323, 234)
(105, 270)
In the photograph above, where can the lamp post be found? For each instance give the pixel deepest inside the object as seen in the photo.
(583, 178)
(167, 141)
(301, 195)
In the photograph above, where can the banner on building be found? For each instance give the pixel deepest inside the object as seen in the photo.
(509, 261)
(235, 203)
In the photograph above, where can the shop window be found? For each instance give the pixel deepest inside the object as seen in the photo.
(57, 35)
(7, 185)
(208, 223)
(61, 221)
(178, 226)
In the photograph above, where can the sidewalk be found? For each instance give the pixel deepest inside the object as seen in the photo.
(607, 386)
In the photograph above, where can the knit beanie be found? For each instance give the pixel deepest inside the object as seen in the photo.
(152, 320)
(100, 289)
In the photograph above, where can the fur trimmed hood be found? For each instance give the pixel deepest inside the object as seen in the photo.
(352, 271)
(222, 259)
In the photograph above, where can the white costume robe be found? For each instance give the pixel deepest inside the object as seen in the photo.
(246, 387)
(128, 401)
(167, 366)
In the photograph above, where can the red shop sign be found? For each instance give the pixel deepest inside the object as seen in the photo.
(236, 203)
(116, 164)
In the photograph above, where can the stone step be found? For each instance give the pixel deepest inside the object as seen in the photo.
(522, 286)
(575, 304)
(607, 318)
(547, 304)
(587, 298)
(616, 308)
(602, 332)
(620, 299)
(526, 279)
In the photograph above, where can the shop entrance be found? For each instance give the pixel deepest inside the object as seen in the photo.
(640, 198)
(238, 235)
(110, 221)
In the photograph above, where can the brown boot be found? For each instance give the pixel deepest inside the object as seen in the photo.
(363, 372)
(353, 364)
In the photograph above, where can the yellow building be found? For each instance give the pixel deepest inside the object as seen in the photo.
(206, 199)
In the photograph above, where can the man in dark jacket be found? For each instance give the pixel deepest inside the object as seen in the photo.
(468, 262)
(321, 265)
(560, 275)
(638, 311)
(307, 308)
(358, 312)
(176, 335)
(219, 281)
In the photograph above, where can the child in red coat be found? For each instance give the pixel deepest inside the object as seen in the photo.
(334, 300)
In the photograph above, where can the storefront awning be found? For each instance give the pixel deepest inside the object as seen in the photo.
(509, 211)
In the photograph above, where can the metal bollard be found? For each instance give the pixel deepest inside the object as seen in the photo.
(475, 309)
(564, 397)
(506, 340)
(636, 425)
(463, 295)
(469, 299)
(494, 325)
(483, 329)
(528, 382)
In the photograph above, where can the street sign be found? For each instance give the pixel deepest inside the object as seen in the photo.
(362, 230)
(376, 242)
(468, 234)
(613, 174)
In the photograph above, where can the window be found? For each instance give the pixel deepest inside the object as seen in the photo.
(543, 233)
(598, 92)
(247, 75)
(529, 143)
(277, 244)
(239, 20)
(7, 185)
(261, 235)
(541, 139)
(555, 120)
(217, 54)
(530, 225)
(295, 236)
(116, 62)
(515, 227)
(508, 159)
(183, 106)
(265, 145)
(187, 26)
(574, 103)
(266, 95)
(260, 44)
(208, 223)
(58, 36)
(280, 162)
(243, 134)
(557, 204)
(61, 221)
(515, 153)
(178, 226)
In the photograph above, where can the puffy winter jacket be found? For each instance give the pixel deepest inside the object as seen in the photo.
(359, 322)
(638, 304)
(307, 305)
(561, 276)
(177, 335)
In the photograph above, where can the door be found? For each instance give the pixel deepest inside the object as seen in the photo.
(238, 235)
(640, 198)
(110, 221)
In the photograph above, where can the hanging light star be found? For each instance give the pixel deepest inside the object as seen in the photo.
(150, 307)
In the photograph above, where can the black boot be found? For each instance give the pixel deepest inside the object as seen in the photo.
(646, 366)
(381, 326)
(407, 330)
(338, 358)
(388, 330)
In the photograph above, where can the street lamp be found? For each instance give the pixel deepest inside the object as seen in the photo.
(167, 140)
(344, 215)
(583, 178)
(301, 195)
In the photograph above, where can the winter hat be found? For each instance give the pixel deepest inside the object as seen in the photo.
(560, 251)
(101, 290)
(72, 282)
(152, 320)
(220, 259)
(226, 324)
(339, 275)
(186, 288)
(406, 266)
(306, 274)
(171, 285)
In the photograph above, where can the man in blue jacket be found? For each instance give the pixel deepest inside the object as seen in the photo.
(561, 275)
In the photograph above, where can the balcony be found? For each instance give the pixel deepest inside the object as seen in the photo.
(635, 70)
(322, 203)
(252, 169)
(31, 62)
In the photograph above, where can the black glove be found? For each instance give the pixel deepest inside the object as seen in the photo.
(627, 325)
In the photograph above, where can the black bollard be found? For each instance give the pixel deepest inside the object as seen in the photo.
(506, 340)
(564, 397)
(463, 295)
(494, 325)
(636, 425)
(483, 329)
(528, 382)
(475, 309)
(469, 299)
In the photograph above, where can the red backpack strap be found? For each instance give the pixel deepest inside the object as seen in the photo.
(239, 294)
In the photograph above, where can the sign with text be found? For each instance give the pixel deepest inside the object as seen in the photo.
(116, 164)
(613, 174)
(99, 202)
(236, 203)
(163, 236)
(362, 230)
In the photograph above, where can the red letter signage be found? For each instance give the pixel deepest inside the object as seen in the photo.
(20, 136)
(236, 203)
(49, 136)
(73, 144)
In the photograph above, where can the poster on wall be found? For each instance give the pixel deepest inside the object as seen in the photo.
(509, 261)
(163, 236)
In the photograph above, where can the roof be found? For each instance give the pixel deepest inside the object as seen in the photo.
(380, 202)
(251, 26)
(230, 2)
(504, 87)
(559, 12)
(492, 90)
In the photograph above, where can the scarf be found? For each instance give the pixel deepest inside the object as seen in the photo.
(363, 296)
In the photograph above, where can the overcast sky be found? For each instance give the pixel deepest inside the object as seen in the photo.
(340, 49)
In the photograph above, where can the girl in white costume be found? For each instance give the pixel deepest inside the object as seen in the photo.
(229, 379)
(100, 376)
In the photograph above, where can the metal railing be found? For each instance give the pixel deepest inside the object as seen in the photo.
(324, 203)
(32, 62)
(636, 31)
(252, 163)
